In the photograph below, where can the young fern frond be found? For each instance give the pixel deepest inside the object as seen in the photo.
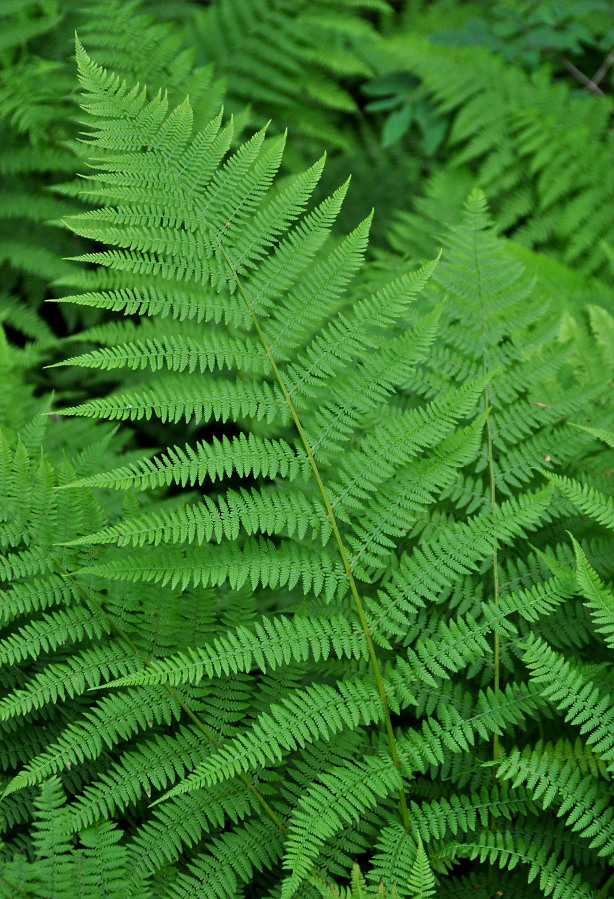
(421, 880)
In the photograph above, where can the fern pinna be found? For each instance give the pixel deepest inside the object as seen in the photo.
(316, 645)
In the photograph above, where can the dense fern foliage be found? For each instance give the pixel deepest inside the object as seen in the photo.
(291, 59)
(505, 120)
(306, 555)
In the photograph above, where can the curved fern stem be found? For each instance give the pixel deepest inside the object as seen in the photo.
(496, 588)
(496, 642)
(495, 568)
(335, 528)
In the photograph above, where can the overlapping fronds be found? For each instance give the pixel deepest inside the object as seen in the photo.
(355, 625)
(504, 126)
(291, 62)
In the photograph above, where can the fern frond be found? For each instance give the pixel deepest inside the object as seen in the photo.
(113, 719)
(180, 824)
(52, 841)
(586, 498)
(172, 399)
(255, 511)
(421, 878)
(310, 48)
(177, 354)
(230, 861)
(527, 153)
(606, 436)
(267, 645)
(599, 600)
(257, 561)
(314, 714)
(577, 796)
(81, 672)
(245, 454)
(564, 684)
(53, 630)
(458, 548)
(508, 849)
(402, 861)
(152, 767)
(332, 623)
(104, 861)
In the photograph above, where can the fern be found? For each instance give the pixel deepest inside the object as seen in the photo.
(38, 112)
(291, 61)
(524, 137)
(352, 626)
(418, 884)
(99, 864)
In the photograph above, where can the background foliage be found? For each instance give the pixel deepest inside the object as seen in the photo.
(306, 513)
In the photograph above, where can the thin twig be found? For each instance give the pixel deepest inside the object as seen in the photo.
(603, 68)
(588, 83)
